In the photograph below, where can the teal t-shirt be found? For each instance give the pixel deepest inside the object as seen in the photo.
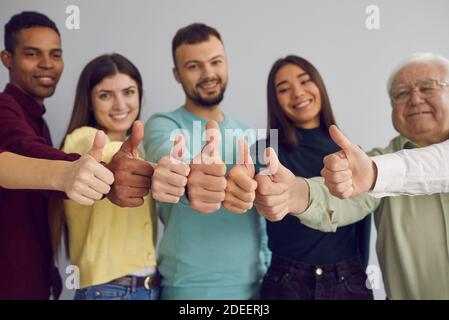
(221, 255)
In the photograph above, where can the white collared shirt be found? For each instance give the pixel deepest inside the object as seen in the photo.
(413, 171)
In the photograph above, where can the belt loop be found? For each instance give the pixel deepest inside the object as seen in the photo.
(133, 284)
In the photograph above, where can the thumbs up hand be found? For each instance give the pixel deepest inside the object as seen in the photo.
(132, 175)
(241, 186)
(86, 180)
(206, 182)
(279, 191)
(170, 174)
(350, 171)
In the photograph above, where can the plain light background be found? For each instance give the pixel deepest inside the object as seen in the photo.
(355, 62)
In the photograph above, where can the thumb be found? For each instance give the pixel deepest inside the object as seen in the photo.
(244, 153)
(131, 144)
(179, 148)
(340, 139)
(97, 147)
(213, 138)
(272, 161)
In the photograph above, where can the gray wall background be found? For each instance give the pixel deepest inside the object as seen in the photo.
(355, 62)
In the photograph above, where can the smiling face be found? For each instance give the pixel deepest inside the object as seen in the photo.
(36, 64)
(115, 102)
(202, 71)
(298, 96)
(423, 120)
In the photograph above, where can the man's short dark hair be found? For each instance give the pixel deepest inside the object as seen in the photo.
(193, 34)
(25, 20)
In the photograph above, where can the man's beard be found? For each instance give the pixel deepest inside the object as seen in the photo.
(196, 98)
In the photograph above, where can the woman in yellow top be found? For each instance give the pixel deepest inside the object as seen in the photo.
(113, 247)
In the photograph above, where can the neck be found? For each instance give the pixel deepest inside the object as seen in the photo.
(206, 113)
(427, 142)
(39, 100)
(116, 136)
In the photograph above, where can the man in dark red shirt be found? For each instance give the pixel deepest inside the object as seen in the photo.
(33, 56)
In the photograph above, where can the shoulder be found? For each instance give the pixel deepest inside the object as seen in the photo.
(80, 140)
(396, 144)
(8, 103)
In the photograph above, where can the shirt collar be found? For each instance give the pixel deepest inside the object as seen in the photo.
(406, 143)
(26, 101)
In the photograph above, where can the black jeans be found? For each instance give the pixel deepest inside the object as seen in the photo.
(291, 280)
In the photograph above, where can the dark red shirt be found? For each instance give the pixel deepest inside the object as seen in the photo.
(27, 268)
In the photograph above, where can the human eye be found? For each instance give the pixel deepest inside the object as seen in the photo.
(426, 87)
(401, 94)
(305, 79)
(217, 62)
(30, 53)
(56, 54)
(283, 90)
(104, 95)
(192, 66)
(129, 92)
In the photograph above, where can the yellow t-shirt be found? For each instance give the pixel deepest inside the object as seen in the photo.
(106, 241)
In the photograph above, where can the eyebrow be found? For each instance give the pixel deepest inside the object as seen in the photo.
(39, 49)
(285, 81)
(198, 61)
(124, 89)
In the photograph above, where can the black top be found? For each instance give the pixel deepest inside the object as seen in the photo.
(289, 238)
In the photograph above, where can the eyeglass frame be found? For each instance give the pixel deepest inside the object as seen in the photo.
(438, 84)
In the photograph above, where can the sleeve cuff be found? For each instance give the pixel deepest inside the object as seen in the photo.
(315, 216)
(390, 174)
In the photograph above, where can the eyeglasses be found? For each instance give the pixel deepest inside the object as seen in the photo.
(426, 89)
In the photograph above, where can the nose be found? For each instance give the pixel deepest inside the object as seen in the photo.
(120, 103)
(46, 62)
(297, 91)
(415, 97)
(207, 71)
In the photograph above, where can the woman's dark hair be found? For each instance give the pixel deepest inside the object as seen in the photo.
(287, 134)
(82, 115)
(93, 73)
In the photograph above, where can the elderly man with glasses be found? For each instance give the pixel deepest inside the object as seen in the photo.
(412, 232)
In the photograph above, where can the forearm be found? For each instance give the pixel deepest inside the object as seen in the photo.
(417, 171)
(326, 212)
(300, 196)
(20, 172)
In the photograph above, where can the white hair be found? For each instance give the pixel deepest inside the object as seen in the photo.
(420, 57)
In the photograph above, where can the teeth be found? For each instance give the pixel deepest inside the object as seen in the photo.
(45, 80)
(119, 116)
(302, 104)
(208, 85)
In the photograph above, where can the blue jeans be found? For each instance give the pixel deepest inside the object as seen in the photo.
(293, 280)
(116, 292)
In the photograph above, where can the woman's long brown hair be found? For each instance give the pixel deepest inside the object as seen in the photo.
(287, 134)
(93, 73)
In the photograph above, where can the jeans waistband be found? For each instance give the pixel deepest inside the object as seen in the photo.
(337, 270)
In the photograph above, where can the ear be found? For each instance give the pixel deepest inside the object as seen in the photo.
(6, 59)
(176, 74)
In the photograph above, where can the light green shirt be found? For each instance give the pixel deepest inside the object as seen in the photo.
(205, 256)
(412, 233)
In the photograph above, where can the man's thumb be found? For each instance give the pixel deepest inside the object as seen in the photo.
(213, 138)
(244, 153)
(131, 144)
(97, 147)
(179, 147)
(340, 139)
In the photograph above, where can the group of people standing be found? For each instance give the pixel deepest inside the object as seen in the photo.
(231, 230)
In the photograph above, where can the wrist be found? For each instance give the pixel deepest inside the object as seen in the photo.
(299, 195)
(56, 180)
(373, 175)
